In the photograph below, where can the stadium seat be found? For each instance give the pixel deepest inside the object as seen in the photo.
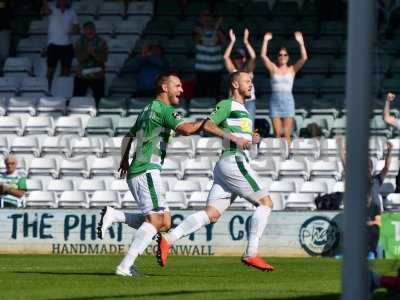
(82, 105)
(38, 27)
(329, 149)
(120, 186)
(128, 201)
(176, 200)
(124, 125)
(3, 106)
(275, 147)
(43, 166)
(266, 167)
(40, 199)
(282, 187)
(85, 146)
(58, 186)
(338, 187)
(55, 145)
(54, 106)
(91, 185)
(181, 146)
(112, 145)
(100, 125)
(111, 11)
(129, 27)
(11, 124)
(122, 87)
(278, 201)
(197, 166)
(25, 145)
(103, 166)
(86, 8)
(202, 105)
(142, 8)
(392, 202)
(74, 167)
(8, 87)
(172, 167)
(339, 126)
(135, 105)
(209, 146)
(198, 200)
(301, 147)
(186, 186)
(34, 87)
(315, 187)
(22, 105)
(33, 185)
(300, 201)
(112, 106)
(376, 145)
(31, 45)
(38, 125)
(69, 124)
(72, 199)
(4, 146)
(323, 168)
(17, 67)
(378, 127)
(293, 168)
(104, 198)
(63, 86)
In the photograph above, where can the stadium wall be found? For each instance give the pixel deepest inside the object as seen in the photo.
(65, 232)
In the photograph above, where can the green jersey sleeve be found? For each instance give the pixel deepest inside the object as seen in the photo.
(22, 183)
(221, 112)
(172, 119)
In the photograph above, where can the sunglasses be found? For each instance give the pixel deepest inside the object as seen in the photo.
(282, 54)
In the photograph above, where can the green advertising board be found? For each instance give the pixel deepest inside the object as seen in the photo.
(390, 234)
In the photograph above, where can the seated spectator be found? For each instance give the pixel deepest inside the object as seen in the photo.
(209, 60)
(91, 52)
(148, 66)
(63, 22)
(12, 184)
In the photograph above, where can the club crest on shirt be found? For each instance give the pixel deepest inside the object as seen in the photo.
(177, 115)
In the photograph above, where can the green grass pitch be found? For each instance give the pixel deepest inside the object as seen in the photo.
(92, 277)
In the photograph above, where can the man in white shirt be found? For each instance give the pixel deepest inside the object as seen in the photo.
(63, 22)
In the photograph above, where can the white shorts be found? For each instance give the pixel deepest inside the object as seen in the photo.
(234, 177)
(148, 191)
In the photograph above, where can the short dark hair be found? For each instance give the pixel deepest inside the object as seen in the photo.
(234, 76)
(162, 79)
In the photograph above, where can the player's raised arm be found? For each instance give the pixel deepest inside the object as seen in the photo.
(386, 111)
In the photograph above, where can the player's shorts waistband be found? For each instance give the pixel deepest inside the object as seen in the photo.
(235, 158)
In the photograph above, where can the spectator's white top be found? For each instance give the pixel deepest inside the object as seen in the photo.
(60, 25)
(282, 82)
(397, 125)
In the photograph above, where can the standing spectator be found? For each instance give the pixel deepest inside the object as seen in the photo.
(148, 66)
(242, 62)
(63, 22)
(91, 52)
(373, 226)
(392, 121)
(12, 184)
(208, 66)
(281, 105)
(6, 15)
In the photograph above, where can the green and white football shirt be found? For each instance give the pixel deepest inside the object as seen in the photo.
(16, 180)
(152, 130)
(233, 117)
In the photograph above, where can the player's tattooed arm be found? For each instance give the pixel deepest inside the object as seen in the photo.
(210, 127)
(125, 148)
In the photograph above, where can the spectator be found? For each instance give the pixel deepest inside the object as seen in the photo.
(392, 121)
(12, 184)
(373, 226)
(6, 15)
(281, 105)
(241, 62)
(148, 66)
(91, 52)
(63, 22)
(208, 66)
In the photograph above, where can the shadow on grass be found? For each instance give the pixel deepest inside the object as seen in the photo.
(131, 296)
(107, 274)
